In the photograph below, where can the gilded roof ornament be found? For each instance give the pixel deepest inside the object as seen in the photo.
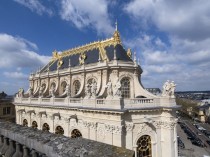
(82, 58)
(116, 35)
(57, 56)
(129, 53)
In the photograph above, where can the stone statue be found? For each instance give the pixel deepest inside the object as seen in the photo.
(93, 88)
(88, 90)
(30, 92)
(52, 90)
(20, 92)
(166, 88)
(117, 89)
(172, 89)
(109, 88)
(67, 90)
(169, 89)
(41, 90)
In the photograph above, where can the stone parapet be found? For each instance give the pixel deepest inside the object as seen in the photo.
(118, 103)
(52, 145)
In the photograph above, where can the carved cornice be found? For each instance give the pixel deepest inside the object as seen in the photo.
(164, 124)
(113, 129)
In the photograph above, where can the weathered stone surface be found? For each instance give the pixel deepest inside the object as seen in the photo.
(60, 146)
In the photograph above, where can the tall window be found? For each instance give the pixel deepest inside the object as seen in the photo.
(25, 122)
(45, 127)
(75, 133)
(76, 87)
(125, 87)
(6, 110)
(34, 124)
(59, 130)
(144, 148)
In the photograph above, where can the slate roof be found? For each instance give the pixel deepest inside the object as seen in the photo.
(92, 54)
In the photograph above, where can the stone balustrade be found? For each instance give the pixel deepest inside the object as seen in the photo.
(118, 103)
(19, 141)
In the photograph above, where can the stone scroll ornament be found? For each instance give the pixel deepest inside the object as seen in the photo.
(169, 89)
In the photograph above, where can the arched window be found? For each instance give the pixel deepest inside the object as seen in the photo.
(75, 133)
(25, 122)
(125, 87)
(45, 127)
(76, 87)
(144, 148)
(63, 86)
(59, 130)
(34, 124)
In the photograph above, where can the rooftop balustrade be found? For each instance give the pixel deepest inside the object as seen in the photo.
(20, 141)
(115, 103)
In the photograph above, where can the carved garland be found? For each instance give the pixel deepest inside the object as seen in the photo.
(165, 124)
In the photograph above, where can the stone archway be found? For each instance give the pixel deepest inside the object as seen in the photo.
(144, 146)
(34, 124)
(45, 127)
(59, 130)
(25, 122)
(76, 133)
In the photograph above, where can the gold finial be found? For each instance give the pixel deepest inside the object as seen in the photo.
(116, 25)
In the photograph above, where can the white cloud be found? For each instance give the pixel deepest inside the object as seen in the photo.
(184, 54)
(18, 56)
(35, 6)
(16, 75)
(187, 62)
(87, 13)
(19, 53)
(188, 19)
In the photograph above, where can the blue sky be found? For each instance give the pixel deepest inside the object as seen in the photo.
(171, 38)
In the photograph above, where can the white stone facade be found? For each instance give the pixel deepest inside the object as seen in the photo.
(101, 107)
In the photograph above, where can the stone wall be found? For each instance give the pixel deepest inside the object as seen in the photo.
(34, 142)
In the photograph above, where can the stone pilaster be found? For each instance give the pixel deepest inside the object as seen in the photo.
(11, 150)
(18, 151)
(167, 141)
(25, 152)
(129, 135)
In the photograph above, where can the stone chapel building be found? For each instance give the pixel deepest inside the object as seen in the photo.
(94, 91)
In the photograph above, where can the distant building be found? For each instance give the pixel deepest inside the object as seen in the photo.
(7, 109)
(155, 91)
(95, 92)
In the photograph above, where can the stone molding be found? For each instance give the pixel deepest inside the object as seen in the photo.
(164, 124)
